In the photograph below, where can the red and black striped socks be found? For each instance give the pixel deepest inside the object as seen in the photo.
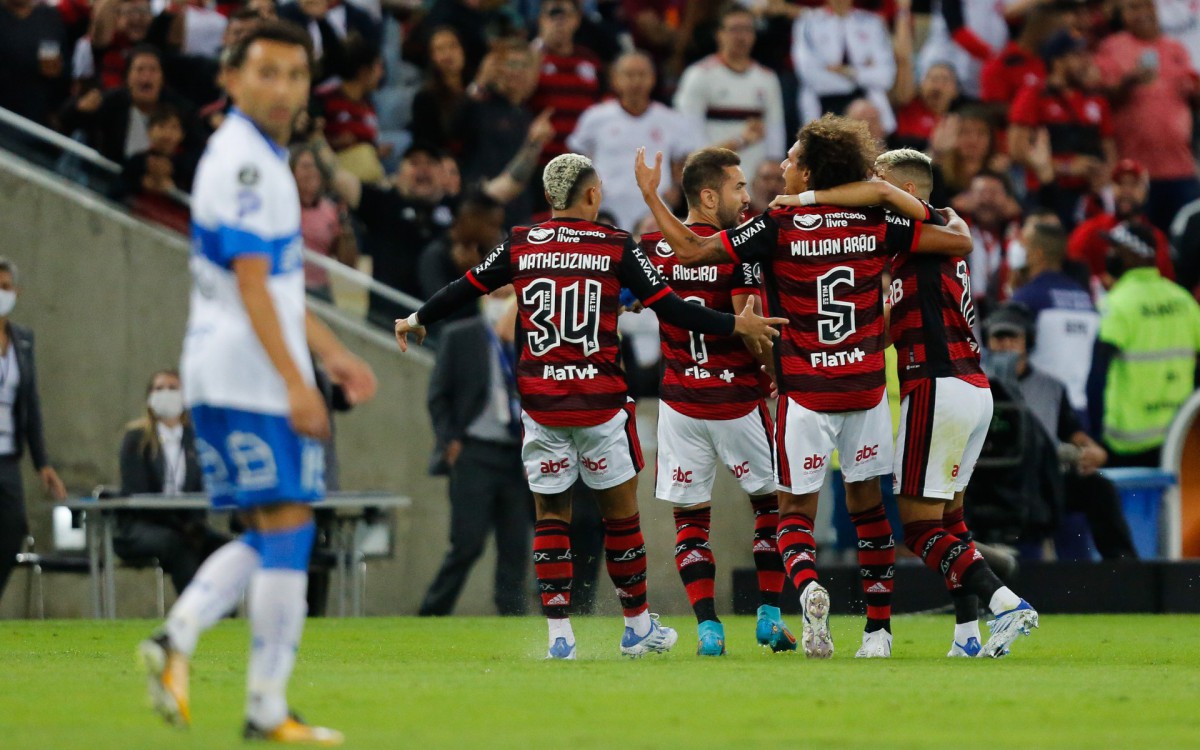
(553, 567)
(695, 561)
(625, 557)
(966, 603)
(798, 549)
(767, 560)
(876, 565)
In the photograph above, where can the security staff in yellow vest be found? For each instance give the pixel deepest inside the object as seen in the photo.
(1144, 367)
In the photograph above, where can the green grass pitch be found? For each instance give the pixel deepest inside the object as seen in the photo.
(1092, 682)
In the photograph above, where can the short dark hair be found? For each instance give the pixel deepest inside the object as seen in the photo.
(836, 150)
(1004, 180)
(733, 9)
(358, 55)
(705, 170)
(163, 113)
(143, 50)
(276, 30)
(1051, 239)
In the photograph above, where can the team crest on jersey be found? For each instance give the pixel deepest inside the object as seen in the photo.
(249, 175)
(808, 222)
(663, 249)
(541, 235)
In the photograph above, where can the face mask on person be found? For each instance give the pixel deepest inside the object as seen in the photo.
(166, 403)
(1001, 365)
(8, 300)
(494, 309)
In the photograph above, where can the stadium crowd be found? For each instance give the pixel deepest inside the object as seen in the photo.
(1061, 130)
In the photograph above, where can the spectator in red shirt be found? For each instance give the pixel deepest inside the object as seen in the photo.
(916, 120)
(569, 75)
(1019, 65)
(1079, 123)
(117, 27)
(1154, 89)
(1089, 243)
(349, 113)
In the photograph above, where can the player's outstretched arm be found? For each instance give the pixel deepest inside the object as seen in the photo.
(952, 239)
(754, 329)
(306, 408)
(860, 195)
(448, 299)
(345, 369)
(690, 248)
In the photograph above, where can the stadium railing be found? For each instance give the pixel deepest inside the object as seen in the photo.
(87, 167)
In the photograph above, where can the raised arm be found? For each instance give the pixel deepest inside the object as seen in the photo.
(690, 248)
(346, 185)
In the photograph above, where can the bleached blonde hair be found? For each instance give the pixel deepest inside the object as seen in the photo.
(562, 178)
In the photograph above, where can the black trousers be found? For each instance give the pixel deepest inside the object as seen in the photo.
(179, 550)
(488, 492)
(1099, 500)
(13, 525)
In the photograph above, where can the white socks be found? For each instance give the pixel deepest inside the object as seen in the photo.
(1003, 600)
(277, 610)
(561, 629)
(212, 594)
(639, 623)
(966, 631)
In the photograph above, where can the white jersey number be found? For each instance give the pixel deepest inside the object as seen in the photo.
(698, 347)
(571, 314)
(837, 320)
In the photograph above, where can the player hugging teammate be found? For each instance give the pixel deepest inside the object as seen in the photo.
(823, 253)
(568, 273)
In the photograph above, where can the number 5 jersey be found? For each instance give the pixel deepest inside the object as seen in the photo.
(823, 270)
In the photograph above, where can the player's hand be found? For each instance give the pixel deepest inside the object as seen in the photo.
(52, 483)
(307, 412)
(781, 201)
(948, 214)
(756, 330)
(354, 376)
(402, 331)
(648, 177)
(770, 373)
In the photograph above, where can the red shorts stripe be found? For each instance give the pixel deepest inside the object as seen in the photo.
(784, 469)
(635, 444)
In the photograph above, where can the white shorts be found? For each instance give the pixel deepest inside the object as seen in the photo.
(605, 454)
(689, 450)
(943, 424)
(805, 440)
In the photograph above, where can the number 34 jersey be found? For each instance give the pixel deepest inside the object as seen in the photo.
(823, 270)
(705, 377)
(568, 275)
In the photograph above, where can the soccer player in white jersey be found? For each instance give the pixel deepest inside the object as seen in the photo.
(248, 380)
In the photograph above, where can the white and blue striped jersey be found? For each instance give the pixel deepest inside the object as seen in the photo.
(244, 203)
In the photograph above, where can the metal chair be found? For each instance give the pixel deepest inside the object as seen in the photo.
(69, 534)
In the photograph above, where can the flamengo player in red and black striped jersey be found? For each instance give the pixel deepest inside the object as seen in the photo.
(712, 410)
(945, 414)
(823, 269)
(568, 273)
